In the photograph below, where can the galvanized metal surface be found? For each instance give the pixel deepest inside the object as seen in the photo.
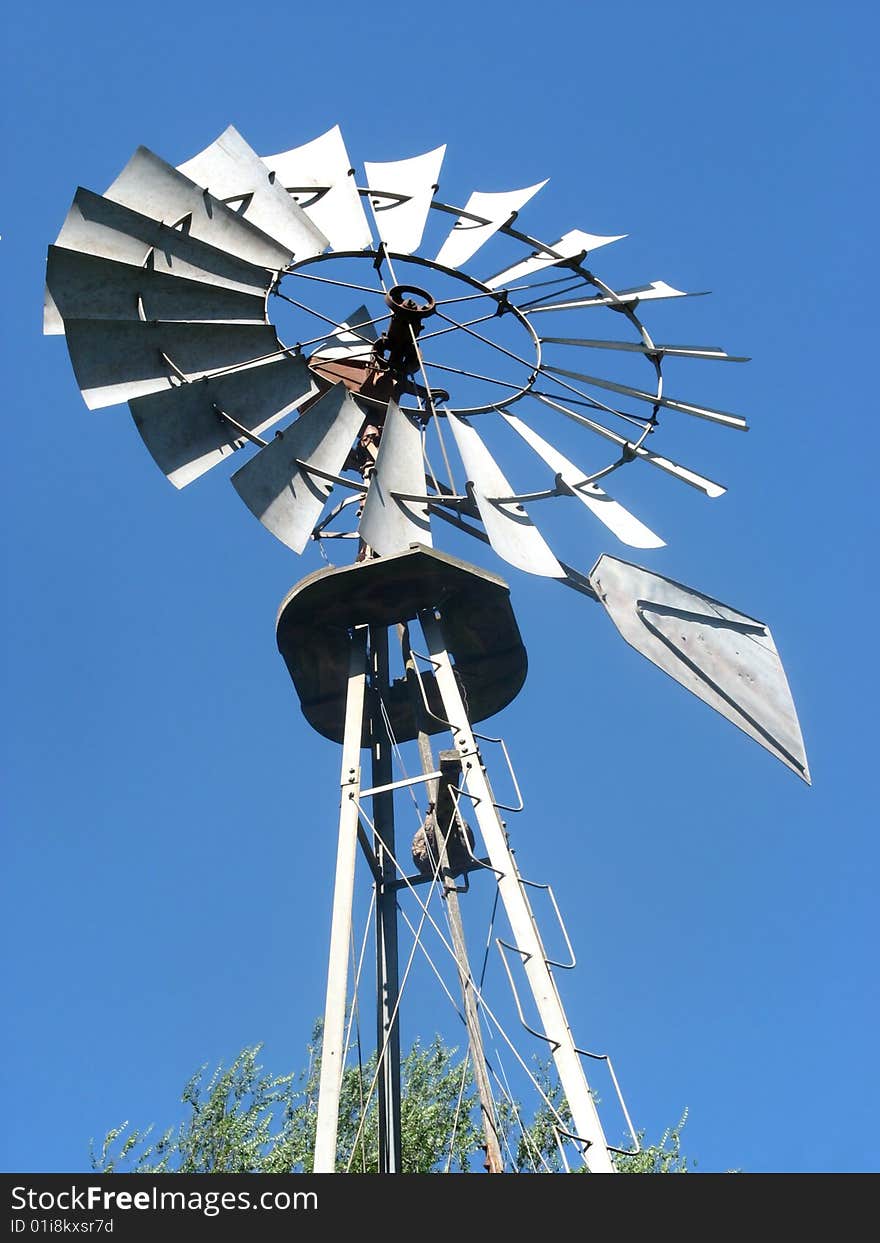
(232, 170)
(319, 178)
(640, 293)
(150, 186)
(390, 523)
(570, 246)
(684, 473)
(333, 1039)
(316, 616)
(627, 528)
(711, 352)
(275, 484)
(726, 658)
(586, 1123)
(186, 433)
(90, 287)
(115, 360)
(400, 196)
(96, 225)
(468, 235)
(670, 403)
(512, 533)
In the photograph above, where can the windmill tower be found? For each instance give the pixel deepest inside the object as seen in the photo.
(404, 372)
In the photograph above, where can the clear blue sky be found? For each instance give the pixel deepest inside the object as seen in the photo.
(170, 817)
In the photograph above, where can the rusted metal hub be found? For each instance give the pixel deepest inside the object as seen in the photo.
(397, 348)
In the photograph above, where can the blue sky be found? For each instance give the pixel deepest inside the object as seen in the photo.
(170, 815)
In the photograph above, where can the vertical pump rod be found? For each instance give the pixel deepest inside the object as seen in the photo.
(387, 982)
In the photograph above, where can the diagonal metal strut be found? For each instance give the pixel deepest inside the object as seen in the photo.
(522, 922)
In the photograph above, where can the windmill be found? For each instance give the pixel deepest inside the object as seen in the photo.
(407, 377)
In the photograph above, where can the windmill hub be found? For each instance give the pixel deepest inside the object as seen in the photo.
(433, 329)
(398, 342)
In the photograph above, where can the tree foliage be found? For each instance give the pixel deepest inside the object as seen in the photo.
(243, 1120)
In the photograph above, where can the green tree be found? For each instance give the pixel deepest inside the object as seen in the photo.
(242, 1120)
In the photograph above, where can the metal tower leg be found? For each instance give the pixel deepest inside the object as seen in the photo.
(387, 982)
(522, 922)
(343, 893)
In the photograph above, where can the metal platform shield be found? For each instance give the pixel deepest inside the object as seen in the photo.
(315, 619)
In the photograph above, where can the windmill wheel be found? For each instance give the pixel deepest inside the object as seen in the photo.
(163, 288)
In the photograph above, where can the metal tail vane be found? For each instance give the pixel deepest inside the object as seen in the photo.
(403, 364)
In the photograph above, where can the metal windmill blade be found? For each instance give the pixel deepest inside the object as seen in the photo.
(287, 483)
(483, 215)
(654, 292)
(628, 529)
(84, 286)
(395, 511)
(150, 186)
(571, 246)
(319, 178)
(401, 192)
(97, 227)
(235, 173)
(511, 532)
(193, 427)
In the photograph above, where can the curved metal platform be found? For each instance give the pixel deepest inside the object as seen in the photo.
(479, 627)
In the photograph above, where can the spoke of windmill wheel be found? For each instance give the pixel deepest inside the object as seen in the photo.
(319, 177)
(302, 306)
(673, 351)
(589, 404)
(641, 293)
(474, 375)
(701, 412)
(117, 360)
(497, 294)
(317, 340)
(186, 435)
(441, 332)
(465, 327)
(634, 420)
(89, 287)
(628, 529)
(468, 235)
(684, 473)
(569, 246)
(534, 303)
(400, 197)
(232, 170)
(389, 523)
(148, 185)
(512, 533)
(354, 338)
(276, 484)
(326, 280)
